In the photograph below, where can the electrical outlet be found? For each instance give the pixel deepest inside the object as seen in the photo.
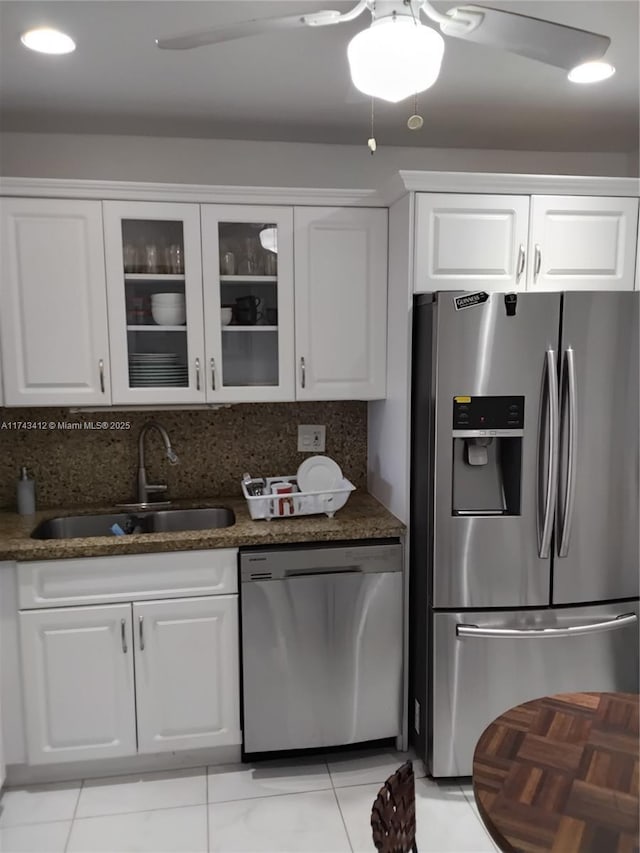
(311, 438)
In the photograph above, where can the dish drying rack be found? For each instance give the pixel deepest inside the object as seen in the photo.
(268, 505)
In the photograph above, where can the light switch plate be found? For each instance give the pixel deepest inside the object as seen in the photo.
(311, 438)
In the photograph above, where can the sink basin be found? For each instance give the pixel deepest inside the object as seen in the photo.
(169, 520)
(159, 521)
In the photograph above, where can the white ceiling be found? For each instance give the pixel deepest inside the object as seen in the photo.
(295, 85)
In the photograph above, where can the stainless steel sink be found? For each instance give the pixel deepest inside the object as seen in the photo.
(159, 521)
(168, 520)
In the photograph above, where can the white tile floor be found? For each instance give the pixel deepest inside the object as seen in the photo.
(311, 806)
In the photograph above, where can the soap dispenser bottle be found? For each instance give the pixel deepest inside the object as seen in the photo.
(26, 493)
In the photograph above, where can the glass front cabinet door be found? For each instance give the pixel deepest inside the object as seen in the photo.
(154, 294)
(247, 257)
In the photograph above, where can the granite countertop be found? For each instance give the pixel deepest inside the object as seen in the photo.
(361, 518)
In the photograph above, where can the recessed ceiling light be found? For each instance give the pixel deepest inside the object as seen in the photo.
(47, 40)
(591, 72)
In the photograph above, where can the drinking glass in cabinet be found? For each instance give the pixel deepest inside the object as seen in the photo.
(251, 262)
(228, 264)
(130, 256)
(151, 258)
(270, 264)
(153, 247)
(174, 259)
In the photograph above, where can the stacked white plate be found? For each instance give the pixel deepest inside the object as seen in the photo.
(154, 369)
(319, 474)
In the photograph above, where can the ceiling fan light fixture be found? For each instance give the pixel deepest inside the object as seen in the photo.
(395, 58)
(591, 72)
(48, 40)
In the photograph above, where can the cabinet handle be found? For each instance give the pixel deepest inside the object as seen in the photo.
(520, 268)
(101, 367)
(123, 636)
(213, 374)
(197, 374)
(537, 262)
(141, 632)
(303, 373)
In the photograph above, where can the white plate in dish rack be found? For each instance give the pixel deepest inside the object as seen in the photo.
(319, 474)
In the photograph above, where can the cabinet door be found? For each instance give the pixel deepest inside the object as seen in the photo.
(341, 303)
(77, 669)
(154, 290)
(581, 243)
(53, 322)
(187, 673)
(470, 242)
(247, 257)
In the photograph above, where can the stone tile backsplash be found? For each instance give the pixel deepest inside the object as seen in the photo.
(76, 467)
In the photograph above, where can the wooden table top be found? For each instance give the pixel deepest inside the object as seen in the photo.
(561, 774)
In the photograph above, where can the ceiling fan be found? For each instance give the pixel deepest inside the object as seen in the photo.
(398, 55)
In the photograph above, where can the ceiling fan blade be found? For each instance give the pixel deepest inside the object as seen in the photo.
(230, 32)
(555, 44)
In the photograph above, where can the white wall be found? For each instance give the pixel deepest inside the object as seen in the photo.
(388, 445)
(293, 164)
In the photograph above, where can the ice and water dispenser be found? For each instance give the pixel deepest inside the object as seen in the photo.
(487, 455)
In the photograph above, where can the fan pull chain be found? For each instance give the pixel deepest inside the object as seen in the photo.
(371, 142)
(415, 121)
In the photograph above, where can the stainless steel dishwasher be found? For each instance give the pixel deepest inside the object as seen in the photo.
(321, 645)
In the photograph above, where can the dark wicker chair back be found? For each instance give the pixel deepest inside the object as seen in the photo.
(393, 816)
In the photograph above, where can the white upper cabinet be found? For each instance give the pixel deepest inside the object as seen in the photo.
(341, 303)
(581, 243)
(247, 257)
(470, 242)
(53, 322)
(78, 683)
(511, 243)
(187, 673)
(154, 290)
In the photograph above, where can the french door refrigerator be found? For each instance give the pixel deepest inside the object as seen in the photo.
(524, 507)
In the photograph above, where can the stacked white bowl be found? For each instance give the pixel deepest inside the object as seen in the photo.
(168, 309)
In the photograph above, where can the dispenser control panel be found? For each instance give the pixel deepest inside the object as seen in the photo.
(488, 415)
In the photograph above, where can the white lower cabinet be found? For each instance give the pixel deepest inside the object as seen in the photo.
(78, 683)
(187, 673)
(94, 676)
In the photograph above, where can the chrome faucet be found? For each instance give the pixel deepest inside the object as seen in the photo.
(145, 488)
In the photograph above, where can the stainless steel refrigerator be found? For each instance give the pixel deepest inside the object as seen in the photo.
(524, 508)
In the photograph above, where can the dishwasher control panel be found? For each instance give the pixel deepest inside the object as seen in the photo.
(282, 563)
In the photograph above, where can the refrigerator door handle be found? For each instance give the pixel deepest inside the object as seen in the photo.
(622, 621)
(544, 546)
(570, 485)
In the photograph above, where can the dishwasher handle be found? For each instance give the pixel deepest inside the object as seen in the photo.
(323, 570)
